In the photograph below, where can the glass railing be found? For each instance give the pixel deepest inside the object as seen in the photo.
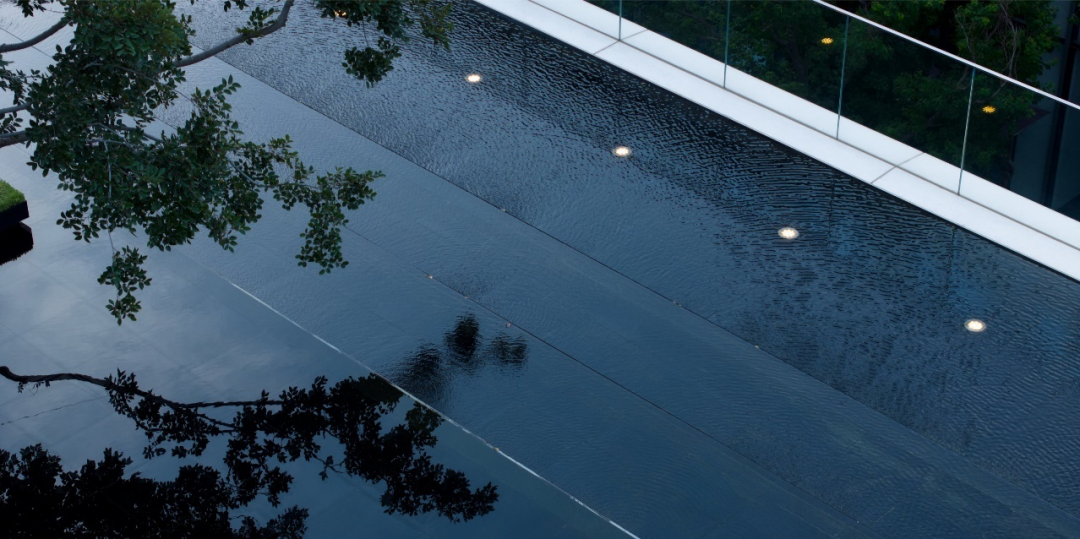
(905, 91)
(809, 61)
(962, 122)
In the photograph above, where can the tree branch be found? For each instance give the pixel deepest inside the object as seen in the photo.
(15, 108)
(279, 23)
(110, 386)
(11, 47)
(10, 139)
(124, 127)
(48, 378)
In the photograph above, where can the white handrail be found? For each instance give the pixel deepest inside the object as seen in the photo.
(950, 55)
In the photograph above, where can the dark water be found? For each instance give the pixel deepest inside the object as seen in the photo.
(199, 339)
(871, 299)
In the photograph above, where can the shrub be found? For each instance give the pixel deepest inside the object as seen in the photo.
(9, 196)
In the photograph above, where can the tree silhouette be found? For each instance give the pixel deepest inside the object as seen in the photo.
(39, 499)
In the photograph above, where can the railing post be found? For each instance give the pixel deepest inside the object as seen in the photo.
(727, 42)
(620, 20)
(967, 122)
(843, 66)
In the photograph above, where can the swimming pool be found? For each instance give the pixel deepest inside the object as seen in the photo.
(871, 299)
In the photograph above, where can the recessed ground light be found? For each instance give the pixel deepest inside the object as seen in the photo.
(975, 326)
(989, 109)
(788, 233)
(474, 78)
(826, 41)
(622, 151)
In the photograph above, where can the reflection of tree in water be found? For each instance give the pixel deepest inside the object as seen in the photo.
(39, 499)
(428, 373)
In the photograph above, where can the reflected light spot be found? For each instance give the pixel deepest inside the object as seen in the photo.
(826, 41)
(788, 233)
(989, 109)
(975, 326)
(622, 151)
(474, 78)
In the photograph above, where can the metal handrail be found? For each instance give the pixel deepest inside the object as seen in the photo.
(947, 54)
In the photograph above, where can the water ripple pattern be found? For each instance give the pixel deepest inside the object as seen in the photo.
(870, 299)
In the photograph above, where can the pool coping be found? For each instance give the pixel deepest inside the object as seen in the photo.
(988, 210)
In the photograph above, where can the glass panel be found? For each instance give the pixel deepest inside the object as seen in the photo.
(1010, 136)
(1032, 148)
(796, 46)
(698, 24)
(906, 92)
(1066, 179)
(1066, 168)
(609, 5)
(610, 26)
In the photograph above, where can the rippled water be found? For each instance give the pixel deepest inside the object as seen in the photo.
(871, 298)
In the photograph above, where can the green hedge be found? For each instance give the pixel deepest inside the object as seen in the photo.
(9, 196)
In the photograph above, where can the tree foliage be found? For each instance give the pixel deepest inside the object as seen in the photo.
(39, 499)
(86, 118)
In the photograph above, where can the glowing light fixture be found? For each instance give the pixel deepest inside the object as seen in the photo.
(788, 233)
(341, 13)
(989, 109)
(621, 151)
(975, 325)
(826, 41)
(474, 78)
